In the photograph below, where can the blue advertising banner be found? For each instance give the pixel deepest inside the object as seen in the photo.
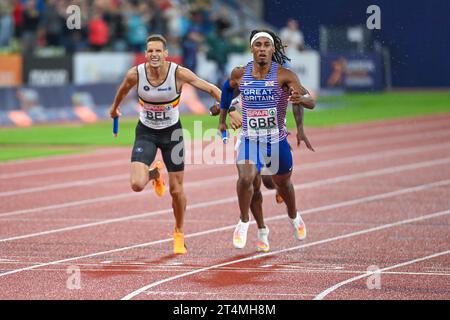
(28, 105)
(352, 71)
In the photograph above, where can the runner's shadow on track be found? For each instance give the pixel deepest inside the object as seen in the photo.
(127, 267)
(242, 273)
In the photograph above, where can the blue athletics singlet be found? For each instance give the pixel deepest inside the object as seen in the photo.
(264, 105)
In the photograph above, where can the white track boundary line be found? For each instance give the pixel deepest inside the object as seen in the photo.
(59, 186)
(313, 184)
(64, 169)
(369, 129)
(382, 142)
(233, 294)
(194, 167)
(230, 227)
(315, 243)
(302, 167)
(88, 166)
(229, 178)
(318, 138)
(326, 292)
(362, 128)
(99, 152)
(84, 182)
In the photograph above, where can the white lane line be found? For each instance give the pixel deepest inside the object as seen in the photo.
(353, 129)
(362, 130)
(313, 184)
(382, 142)
(232, 294)
(174, 267)
(125, 195)
(59, 186)
(127, 218)
(98, 152)
(231, 227)
(82, 167)
(365, 157)
(372, 156)
(315, 243)
(333, 147)
(65, 169)
(372, 173)
(326, 292)
(89, 166)
(79, 183)
(333, 162)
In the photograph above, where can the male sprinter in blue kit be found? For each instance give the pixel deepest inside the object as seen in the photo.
(159, 84)
(265, 87)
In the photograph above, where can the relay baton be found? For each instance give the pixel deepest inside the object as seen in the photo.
(224, 137)
(115, 126)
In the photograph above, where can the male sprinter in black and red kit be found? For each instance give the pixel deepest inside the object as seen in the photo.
(159, 84)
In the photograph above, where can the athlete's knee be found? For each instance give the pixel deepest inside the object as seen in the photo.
(245, 181)
(176, 192)
(137, 185)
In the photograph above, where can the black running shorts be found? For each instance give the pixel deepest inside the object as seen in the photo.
(169, 141)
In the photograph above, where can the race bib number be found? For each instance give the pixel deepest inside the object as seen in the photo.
(159, 119)
(262, 122)
(157, 115)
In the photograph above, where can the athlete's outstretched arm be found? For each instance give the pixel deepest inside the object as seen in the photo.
(128, 82)
(185, 75)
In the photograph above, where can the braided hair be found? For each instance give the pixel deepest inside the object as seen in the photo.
(279, 55)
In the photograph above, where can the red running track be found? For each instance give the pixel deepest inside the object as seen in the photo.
(374, 197)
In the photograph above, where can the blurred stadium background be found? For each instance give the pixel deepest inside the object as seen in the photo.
(52, 75)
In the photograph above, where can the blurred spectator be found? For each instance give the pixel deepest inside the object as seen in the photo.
(220, 46)
(137, 31)
(174, 47)
(98, 32)
(76, 42)
(53, 22)
(292, 37)
(222, 22)
(31, 18)
(114, 17)
(6, 23)
(18, 8)
(76, 39)
(163, 5)
(200, 21)
(157, 23)
(123, 25)
(174, 20)
(191, 44)
(40, 5)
